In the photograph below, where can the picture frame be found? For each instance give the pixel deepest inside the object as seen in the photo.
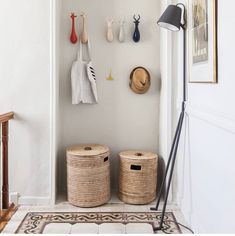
(202, 41)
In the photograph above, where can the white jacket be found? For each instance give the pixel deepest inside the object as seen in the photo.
(83, 79)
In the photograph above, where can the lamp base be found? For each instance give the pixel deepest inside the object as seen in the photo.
(153, 209)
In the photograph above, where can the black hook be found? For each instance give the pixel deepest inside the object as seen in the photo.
(136, 20)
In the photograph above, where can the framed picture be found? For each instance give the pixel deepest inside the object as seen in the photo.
(202, 41)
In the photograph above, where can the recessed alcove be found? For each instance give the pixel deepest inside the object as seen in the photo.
(121, 120)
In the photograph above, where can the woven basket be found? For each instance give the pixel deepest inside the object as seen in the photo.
(88, 175)
(137, 177)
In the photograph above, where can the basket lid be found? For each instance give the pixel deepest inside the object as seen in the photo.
(137, 154)
(87, 150)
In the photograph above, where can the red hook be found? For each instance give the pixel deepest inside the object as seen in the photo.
(73, 36)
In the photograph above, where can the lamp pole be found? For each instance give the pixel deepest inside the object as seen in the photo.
(174, 148)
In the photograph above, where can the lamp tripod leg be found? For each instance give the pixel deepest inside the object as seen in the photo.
(171, 173)
(168, 165)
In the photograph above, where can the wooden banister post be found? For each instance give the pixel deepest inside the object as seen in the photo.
(5, 186)
(6, 210)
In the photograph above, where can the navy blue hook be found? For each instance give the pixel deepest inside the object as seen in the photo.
(136, 35)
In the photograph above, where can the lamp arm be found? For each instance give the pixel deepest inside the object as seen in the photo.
(184, 14)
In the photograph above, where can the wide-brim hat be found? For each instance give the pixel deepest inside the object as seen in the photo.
(140, 80)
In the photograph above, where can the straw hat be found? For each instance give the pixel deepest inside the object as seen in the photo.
(140, 80)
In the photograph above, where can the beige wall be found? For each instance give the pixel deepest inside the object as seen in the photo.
(122, 120)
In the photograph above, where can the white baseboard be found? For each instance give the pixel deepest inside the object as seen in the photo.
(36, 201)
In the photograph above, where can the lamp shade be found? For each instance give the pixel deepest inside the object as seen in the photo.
(171, 18)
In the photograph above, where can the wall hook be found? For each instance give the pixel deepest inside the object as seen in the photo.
(84, 35)
(110, 77)
(136, 35)
(73, 36)
(109, 34)
(122, 36)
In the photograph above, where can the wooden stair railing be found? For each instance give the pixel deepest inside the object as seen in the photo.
(6, 211)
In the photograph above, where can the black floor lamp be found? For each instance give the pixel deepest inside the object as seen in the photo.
(171, 19)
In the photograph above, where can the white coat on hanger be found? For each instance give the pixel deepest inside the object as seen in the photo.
(83, 80)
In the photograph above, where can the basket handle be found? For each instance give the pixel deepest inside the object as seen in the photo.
(135, 167)
(106, 159)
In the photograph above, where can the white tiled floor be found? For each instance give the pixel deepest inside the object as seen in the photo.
(85, 228)
(91, 228)
(108, 228)
(134, 228)
(57, 229)
(115, 205)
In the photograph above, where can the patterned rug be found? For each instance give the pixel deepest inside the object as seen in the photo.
(35, 222)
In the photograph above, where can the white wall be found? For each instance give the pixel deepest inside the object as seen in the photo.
(25, 88)
(122, 120)
(206, 161)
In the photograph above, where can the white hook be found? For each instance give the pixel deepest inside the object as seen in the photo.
(122, 35)
(84, 35)
(109, 34)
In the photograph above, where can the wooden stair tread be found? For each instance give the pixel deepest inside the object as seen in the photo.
(5, 216)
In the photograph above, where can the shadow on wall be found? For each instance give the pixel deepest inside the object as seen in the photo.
(184, 170)
(160, 173)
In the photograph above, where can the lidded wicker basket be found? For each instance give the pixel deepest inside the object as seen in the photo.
(138, 177)
(88, 175)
